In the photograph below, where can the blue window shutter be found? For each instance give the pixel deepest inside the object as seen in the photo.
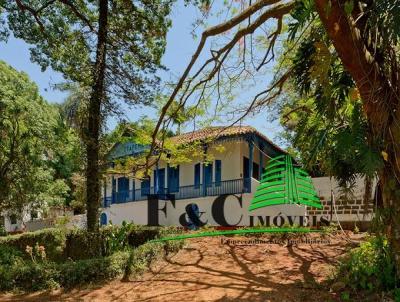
(173, 179)
(145, 187)
(177, 179)
(197, 176)
(123, 189)
(133, 190)
(218, 172)
(113, 189)
(208, 174)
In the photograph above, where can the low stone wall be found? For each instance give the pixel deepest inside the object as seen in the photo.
(350, 210)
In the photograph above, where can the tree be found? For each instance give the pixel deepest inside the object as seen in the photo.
(113, 47)
(364, 37)
(27, 143)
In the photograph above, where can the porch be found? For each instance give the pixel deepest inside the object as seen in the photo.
(235, 186)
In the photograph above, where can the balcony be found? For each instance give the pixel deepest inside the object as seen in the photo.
(235, 186)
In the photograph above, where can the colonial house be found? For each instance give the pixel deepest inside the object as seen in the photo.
(218, 193)
(221, 189)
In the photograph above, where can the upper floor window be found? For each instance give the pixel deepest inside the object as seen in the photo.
(197, 175)
(173, 179)
(208, 169)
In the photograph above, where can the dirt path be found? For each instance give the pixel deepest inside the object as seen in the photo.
(209, 270)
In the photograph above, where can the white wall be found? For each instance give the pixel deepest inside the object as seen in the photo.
(136, 211)
(232, 165)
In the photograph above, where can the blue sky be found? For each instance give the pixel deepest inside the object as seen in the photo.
(180, 47)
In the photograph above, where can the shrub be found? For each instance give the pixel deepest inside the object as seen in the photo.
(10, 255)
(92, 270)
(141, 257)
(62, 244)
(53, 240)
(370, 266)
(3, 231)
(28, 275)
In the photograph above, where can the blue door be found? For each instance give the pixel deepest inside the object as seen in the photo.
(173, 179)
(160, 175)
(145, 187)
(197, 176)
(123, 189)
(103, 219)
(208, 172)
(113, 190)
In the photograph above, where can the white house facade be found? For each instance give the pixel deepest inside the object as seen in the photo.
(222, 190)
(219, 193)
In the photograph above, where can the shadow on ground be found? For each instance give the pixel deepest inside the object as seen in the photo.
(208, 270)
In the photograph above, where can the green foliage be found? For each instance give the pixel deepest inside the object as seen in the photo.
(32, 276)
(23, 274)
(369, 267)
(65, 36)
(10, 255)
(323, 115)
(92, 270)
(141, 257)
(54, 241)
(77, 244)
(28, 141)
(3, 231)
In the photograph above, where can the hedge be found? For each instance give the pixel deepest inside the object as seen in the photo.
(32, 276)
(61, 245)
(54, 240)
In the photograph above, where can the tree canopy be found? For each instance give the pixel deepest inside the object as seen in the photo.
(34, 162)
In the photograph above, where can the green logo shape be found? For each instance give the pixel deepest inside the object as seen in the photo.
(282, 183)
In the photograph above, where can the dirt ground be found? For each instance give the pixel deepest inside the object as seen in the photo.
(211, 269)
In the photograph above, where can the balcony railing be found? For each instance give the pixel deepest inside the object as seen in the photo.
(235, 186)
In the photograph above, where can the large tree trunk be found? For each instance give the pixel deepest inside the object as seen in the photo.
(380, 103)
(94, 123)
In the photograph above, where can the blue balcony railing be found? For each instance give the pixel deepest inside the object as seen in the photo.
(235, 186)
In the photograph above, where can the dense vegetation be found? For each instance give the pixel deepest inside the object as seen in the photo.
(53, 257)
(337, 84)
(38, 152)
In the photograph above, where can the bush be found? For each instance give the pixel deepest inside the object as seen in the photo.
(10, 255)
(61, 244)
(44, 275)
(53, 240)
(37, 274)
(141, 257)
(92, 270)
(369, 267)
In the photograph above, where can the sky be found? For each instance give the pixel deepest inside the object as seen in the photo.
(180, 47)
